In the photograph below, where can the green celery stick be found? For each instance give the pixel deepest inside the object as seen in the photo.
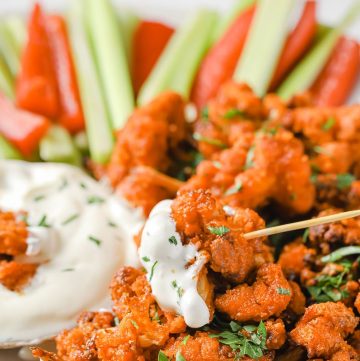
(109, 49)
(58, 146)
(98, 127)
(9, 50)
(6, 80)
(306, 72)
(264, 44)
(16, 27)
(238, 7)
(178, 63)
(7, 151)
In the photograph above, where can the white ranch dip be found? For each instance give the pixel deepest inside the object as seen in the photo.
(173, 282)
(82, 231)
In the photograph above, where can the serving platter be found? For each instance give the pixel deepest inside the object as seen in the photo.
(171, 12)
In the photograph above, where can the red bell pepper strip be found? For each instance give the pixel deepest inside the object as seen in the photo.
(71, 115)
(22, 128)
(297, 43)
(339, 76)
(150, 39)
(220, 63)
(36, 88)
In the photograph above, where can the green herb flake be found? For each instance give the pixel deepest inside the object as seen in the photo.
(249, 163)
(180, 357)
(70, 219)
(112, 224)
(68, 270)
(95, 200)
(320, 150)
(134, 324)
(174, 284)
(180, 292)
(234, 189)
(219, 231)
(39, 198)
(152, 270)
(146, 259)
(82, 185)
(95, 240)
(306, 235)
(204, 113)
(64, 184)
(330, 122)
(344, 180)
(233, 113)
(43, 222)
(283, 291)
(172, 240)
(211, 141)
(116, 321)
(248, 340)
(162, 356)
(185, 340)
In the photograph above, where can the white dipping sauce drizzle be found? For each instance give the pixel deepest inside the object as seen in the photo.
(173, 283)
(89, 235)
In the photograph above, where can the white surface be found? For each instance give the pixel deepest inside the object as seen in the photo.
(173, 12)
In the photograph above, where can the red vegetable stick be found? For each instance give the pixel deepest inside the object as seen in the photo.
(71, 115)
(149, 41)
(297, 43)
(220, 63)
(20, 127)
(339, 76)
(36, 88)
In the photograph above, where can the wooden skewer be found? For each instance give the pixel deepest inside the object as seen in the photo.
(301, 225)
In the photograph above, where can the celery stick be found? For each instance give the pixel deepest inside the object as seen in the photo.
(98, 127)
(58, 146)
(183, 53)
(264, 44)
(7, 151)
(306, 72)
(6, 80)
(112, 62)
(238, 7)
(17, 29)
(9, 50)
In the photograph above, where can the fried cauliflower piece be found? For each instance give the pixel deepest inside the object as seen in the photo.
(132, 297)
(15, 276)
(268, 296)
(198, 215)
(323, 330)
(13, 234)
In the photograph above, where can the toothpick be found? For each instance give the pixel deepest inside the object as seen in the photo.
(301, 225)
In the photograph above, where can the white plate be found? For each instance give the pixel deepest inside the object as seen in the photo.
(173, 12)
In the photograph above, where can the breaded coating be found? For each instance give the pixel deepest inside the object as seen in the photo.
(15, 276)
(132, 297)
(268, 296)
(293, 256)
(13, 234)
(197, 214)
(298, 300)
(275, 334)
(323, 330)
(43, 355)
(357, 302)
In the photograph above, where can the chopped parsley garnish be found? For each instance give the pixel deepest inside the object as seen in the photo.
(204, 113)
(146, 259)
(180, 291)
(283, 291)
(269, 130)
(152, 270)
(95, 200)
(217, 164)
(83, 185)
(179, 357)
(306, 235)
(174, 284)
(70, 219)
(211, 141)
(63, 184)
(116, 321)
(43, 222)
(320, 150)
(250, 158)
(112, 224)
(173, 240)
(328, 124)
(39, 198)
(185, 340)
(134, 324)
(233, 113)
(248, 340)
(156, 317)
(328, 288)
(162, 356)
(95, 240)
(234, 189)
(344, 180)
(68, 270)
(219, 231)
